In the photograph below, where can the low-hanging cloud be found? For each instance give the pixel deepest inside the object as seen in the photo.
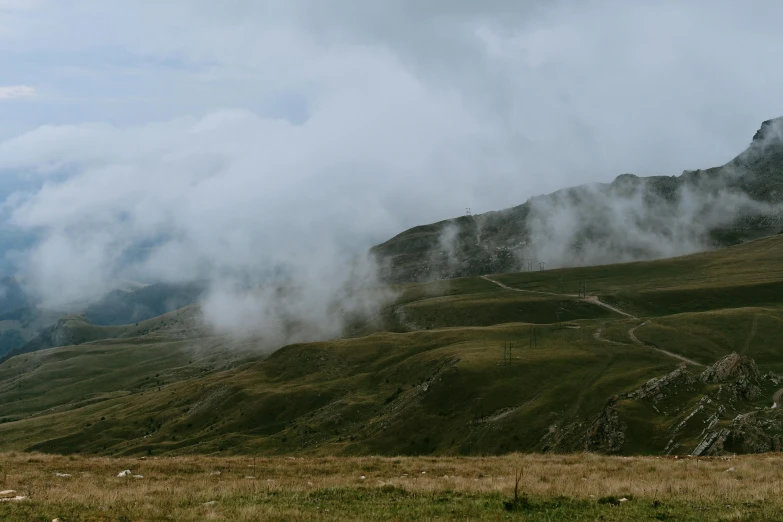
(273, 215)
(406, 113)
(611, 225)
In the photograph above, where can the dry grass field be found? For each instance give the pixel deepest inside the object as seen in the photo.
(569, 487)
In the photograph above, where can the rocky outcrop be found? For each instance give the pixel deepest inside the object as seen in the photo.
(714, 413)
(738, 375)
(657, 390)
(747, 433)
(607, 433)
(730, 367)
(712, 444)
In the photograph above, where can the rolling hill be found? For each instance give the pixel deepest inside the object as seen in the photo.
(432, 374)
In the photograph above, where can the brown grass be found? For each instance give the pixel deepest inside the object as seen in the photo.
(289, 488)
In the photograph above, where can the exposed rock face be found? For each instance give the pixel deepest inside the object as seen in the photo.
(770, 129)
(737, 368)
(657, 389)
(732, 366)
(712, 444)
(747, 433)
(714, 413)
(607, 433)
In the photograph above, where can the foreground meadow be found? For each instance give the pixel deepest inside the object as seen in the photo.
(572, 487)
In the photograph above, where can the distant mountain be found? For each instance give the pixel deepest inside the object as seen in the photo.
(26, 327)
(632, 218)
(124, 307)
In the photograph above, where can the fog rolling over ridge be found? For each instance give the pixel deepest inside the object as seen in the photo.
(630, 219)
(263, 148)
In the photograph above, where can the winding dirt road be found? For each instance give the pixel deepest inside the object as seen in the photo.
(632, 335)
(753, 330)
(501, 285)
(597, 335)
(592, 299)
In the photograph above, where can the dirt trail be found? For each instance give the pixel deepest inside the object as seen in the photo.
(592, 299)
(632, 335)
(501, 285)
(753, 330)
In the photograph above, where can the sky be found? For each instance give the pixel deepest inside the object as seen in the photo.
(230, 139)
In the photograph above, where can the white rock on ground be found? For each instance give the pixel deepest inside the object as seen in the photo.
(126, 473)
(58, 474)
(9, 495)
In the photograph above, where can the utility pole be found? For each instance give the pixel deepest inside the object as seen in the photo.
(507, 354)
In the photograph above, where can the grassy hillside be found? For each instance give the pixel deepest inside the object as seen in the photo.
(348, 396)
(552, 487)
(436, 380)
(750, 274)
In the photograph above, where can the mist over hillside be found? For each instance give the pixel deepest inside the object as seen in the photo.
(263, 148)
(26, 324)
(632, 218)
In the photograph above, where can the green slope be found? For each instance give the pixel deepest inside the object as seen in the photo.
(437, 384)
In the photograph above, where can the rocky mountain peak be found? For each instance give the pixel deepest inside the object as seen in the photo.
(770, 129)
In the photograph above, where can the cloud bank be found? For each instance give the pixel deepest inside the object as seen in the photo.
(250, 142)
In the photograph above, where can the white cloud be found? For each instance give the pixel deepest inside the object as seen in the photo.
(161, 133)
(16, 91)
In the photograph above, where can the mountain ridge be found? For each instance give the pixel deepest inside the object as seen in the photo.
(630, 218)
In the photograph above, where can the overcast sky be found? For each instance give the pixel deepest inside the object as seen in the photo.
(227, 136)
